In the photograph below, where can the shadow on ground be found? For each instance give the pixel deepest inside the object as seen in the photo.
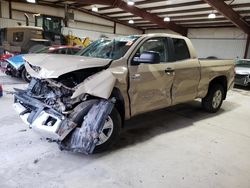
(242, 90)
(247, 88)
(144, 127)
(8, 80)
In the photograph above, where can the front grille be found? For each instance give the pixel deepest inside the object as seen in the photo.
(239, 76)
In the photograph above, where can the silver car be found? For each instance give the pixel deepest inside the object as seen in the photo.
(242, 69)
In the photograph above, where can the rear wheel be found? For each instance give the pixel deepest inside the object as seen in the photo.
(111, 129)
(213, 101)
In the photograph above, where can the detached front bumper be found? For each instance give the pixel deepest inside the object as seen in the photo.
(39, 116)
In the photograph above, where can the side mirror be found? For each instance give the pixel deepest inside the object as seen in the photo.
(148, 57)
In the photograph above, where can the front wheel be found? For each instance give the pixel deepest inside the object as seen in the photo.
(213, 101)
(110, 132)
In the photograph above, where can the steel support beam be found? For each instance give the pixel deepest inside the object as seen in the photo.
(230, 14)
(247, 47)
(114, 31)
(138, 12)
(10, 9)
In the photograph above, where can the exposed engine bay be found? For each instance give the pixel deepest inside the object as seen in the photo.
(72, 79)
(55, 95)
(57, 92)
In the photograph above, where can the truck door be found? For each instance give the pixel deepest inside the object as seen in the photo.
(187, 73)
(150, 84)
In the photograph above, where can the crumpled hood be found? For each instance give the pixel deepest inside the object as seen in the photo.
(242, 70)
(53, 66)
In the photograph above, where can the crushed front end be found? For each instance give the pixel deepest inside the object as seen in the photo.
(43, 106)
(47, 107)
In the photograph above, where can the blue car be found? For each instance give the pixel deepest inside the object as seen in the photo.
(14, 66)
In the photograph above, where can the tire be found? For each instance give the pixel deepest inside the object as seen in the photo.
(213, 101)
(25, 75)
(78, 115)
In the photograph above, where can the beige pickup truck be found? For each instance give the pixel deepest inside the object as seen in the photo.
(142, 73)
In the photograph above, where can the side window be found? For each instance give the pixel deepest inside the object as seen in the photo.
(75, 50)
(180, 49)
(62, 51)
(18, 36)
(156, 45)
(53, 51)
(69, 51)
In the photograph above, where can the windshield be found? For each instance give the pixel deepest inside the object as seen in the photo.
(109, 49)
(243, 63)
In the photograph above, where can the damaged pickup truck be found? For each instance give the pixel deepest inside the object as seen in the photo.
(82, 101)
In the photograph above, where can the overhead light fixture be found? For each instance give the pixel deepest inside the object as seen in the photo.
(130, 3)
(212, 16)
(131, 22)
(95, 9)
(31, 1)
(169, 2)
(167, 19)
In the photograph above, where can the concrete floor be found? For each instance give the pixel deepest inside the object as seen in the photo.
(176, 147)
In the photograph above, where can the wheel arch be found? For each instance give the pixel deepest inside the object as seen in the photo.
(120, 104)
(222, 80)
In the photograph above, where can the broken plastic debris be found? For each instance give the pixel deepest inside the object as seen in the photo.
(84, 139)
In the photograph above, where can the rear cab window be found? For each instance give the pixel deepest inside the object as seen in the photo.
(181, 51)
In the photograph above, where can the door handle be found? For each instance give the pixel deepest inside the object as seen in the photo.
(169, 70)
